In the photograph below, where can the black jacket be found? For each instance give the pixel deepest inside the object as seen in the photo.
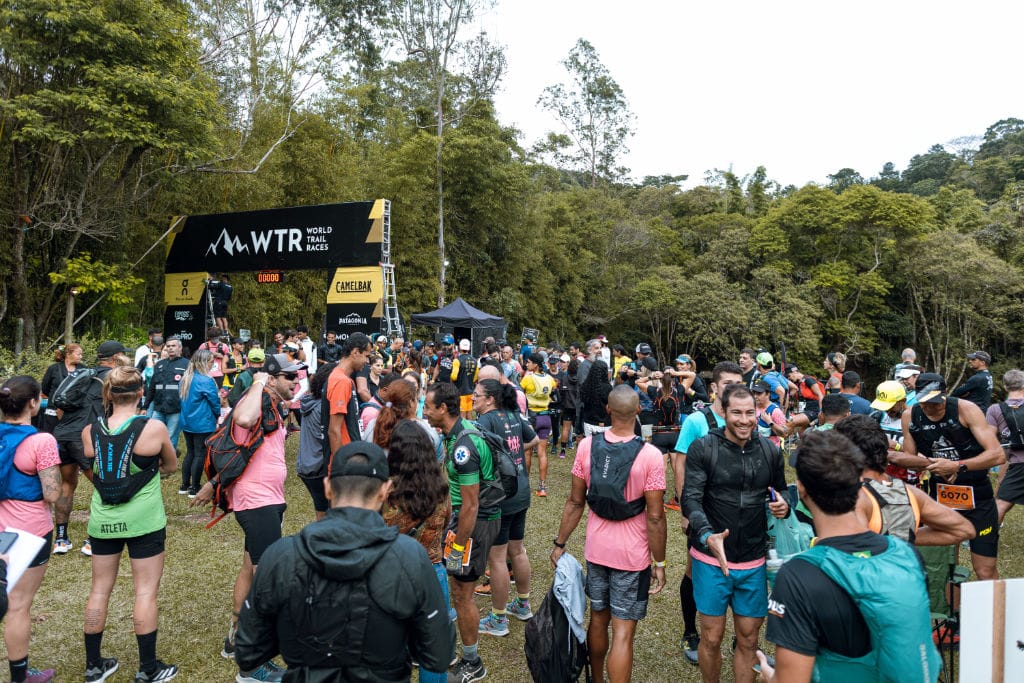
(162, 393)
(346, 599)
(734, 496)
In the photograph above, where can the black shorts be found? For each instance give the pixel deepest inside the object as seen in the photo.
(812, 413)
(513, 527)
(261, 526)
(315, 486)
(569, 415)
(139, 547)
(43, 556)
(484, 533)
(1012, 488)
(220, 310)
(73, 453)
(985, 519)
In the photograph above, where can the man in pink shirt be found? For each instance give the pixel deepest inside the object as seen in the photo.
(622, 480)
(257, 496)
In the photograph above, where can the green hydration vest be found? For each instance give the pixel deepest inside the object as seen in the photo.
(889, 591)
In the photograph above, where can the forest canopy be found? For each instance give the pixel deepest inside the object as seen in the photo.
(121, 114)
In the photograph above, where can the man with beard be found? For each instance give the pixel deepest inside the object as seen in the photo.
(730, 474)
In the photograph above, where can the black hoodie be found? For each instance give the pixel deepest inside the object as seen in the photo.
(346, 599)
(733, 497)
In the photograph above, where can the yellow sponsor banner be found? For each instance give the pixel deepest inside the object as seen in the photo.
(184, 289)
(363, 285)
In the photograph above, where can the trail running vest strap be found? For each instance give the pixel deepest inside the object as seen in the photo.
(948, 439)
(889, 590)
(113, 479)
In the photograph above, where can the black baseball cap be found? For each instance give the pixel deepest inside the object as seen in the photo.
(376, 464)
(761, 387)
(931, 388)
(109, 349)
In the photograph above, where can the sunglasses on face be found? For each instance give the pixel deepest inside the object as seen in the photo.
(290, 376)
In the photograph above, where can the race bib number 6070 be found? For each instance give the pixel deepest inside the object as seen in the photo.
(955, 497)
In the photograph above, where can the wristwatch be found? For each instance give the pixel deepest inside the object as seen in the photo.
(557, 544)
(963, 468)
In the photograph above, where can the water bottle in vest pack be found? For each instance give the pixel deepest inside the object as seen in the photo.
(610, 464)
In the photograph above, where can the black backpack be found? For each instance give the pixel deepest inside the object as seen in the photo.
(73, 390)
(1013, 424)
(606, 494)
(506, 484)
(709, 416)
(553, 654)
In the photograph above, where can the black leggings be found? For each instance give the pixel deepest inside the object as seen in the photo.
(195, 458)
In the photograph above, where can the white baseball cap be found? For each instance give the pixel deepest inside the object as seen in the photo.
(464, 345)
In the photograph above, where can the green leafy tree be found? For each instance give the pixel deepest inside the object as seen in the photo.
(594, 115)
(103, 100)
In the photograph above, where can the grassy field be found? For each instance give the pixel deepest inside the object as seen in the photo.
(195, 595)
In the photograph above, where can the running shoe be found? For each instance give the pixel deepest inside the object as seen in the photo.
(192, 493)
(100, 672)
(494, 625)
(228, 651)
(62, 546)
(159, 672)
(183, 490)
(483, 589)
(466, 671)
(543, 493)
(673, 505)
(87, 548)
(561, 454)
(37, 676)
(267, 673)
(690, 643)
(520, 609)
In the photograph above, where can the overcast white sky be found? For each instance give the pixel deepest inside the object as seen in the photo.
(803, 88)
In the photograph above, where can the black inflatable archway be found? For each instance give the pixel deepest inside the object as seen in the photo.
(346, 239)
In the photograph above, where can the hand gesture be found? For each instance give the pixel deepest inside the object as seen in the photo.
(204, 496)
(556, 553)
(716, 544)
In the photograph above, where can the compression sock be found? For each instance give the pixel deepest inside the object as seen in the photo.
(147, 650)
(498, 612)
(93, 641)
(689, 606)
(19, 669)
(62, 531)
(469, 653)
(524, 597)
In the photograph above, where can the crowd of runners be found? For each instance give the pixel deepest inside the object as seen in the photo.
(422, 460)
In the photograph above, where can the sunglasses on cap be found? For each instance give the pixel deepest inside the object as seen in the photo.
(290, 376)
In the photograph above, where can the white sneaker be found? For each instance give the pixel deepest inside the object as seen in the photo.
(87, 548)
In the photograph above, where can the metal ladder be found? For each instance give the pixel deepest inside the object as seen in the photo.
(392, 322)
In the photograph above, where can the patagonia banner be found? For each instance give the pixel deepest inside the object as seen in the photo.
(355, 300)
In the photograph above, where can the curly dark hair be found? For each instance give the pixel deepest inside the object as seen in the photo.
(420, 484)
(596, 386)
(319, 381)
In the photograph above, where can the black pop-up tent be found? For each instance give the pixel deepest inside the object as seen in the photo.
(463, 321)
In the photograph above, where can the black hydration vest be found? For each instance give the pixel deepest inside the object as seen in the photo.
(948, 439)
(112, 475)
(610, 464)
(444, 369)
